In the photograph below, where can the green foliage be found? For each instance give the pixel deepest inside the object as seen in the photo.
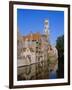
(60, 48)
(60, 45)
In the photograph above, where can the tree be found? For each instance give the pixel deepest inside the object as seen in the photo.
(60, 48)
(60, 45)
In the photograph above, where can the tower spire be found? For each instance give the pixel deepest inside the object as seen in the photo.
(46, 28)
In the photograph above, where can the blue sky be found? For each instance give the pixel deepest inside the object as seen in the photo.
(33, 21)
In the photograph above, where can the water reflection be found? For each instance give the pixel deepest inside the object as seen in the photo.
(35, 72)
(53, 75)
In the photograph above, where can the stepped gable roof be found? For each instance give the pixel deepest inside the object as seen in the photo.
(30, 48)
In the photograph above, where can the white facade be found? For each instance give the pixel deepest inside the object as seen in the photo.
(38, 56)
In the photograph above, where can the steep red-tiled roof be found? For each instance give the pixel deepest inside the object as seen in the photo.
(35, 36)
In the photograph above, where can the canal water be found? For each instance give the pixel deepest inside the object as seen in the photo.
(53, 75)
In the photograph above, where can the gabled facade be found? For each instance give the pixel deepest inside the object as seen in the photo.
(38, 57)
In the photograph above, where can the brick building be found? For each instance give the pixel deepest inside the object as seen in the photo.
(35, 55)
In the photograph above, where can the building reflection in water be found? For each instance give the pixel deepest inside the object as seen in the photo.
(36, 57)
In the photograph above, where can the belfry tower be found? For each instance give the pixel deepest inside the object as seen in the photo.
(46, 29)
